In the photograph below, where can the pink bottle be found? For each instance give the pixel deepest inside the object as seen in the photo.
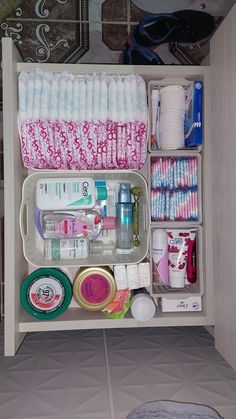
(58, 224)
(160, 257)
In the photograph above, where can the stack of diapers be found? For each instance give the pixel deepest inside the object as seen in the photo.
(82, 122)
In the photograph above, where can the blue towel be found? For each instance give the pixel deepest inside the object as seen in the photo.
(173, 410)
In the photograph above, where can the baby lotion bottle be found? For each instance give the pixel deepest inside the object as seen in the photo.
(160, 256)
(68, 193)
(87, 224)
(66, 249)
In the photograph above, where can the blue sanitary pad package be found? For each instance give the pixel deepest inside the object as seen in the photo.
(193, 114)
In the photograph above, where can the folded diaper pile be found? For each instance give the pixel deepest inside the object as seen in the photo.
(82, 122)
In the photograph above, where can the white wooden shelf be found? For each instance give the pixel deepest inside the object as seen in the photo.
(217, 193)
(17, 322)
(76, 319)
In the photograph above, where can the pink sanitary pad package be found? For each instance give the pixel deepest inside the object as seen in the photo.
(85, 122)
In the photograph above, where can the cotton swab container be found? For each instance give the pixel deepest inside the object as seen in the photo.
(172, 106)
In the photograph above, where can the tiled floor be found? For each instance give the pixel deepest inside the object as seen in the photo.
(104, 375)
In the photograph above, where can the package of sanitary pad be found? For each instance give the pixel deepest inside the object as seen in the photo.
(84, 122)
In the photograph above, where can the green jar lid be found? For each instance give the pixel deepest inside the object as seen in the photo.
(46, 293)
(101, 193)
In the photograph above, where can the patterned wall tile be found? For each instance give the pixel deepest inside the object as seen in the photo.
(113, 10)
(136, 14)
(190, 55)
(115, 36)
(39, 41)
(44, 42)
(49, 9)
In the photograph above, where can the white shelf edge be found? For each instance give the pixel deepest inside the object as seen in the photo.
(173, 152)
(175, 224)
(162, 320)
(177, 294)
(189, 72)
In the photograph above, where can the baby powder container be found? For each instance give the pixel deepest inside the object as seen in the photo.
(46, 293)
(172, 99)
(94, 288)
(142, 306)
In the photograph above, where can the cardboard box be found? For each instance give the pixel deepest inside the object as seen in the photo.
(193, 114)
(181, 304)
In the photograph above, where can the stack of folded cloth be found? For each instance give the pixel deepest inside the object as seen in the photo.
(82, 122)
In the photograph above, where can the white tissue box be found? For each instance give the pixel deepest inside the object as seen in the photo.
(144, 274)
(120, 277)
(181, 304)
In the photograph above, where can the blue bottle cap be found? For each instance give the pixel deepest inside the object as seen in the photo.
(101, 193)
(124, 195)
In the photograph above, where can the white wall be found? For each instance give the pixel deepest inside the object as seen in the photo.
(214, 7)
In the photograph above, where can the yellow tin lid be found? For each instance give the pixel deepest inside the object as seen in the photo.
(94, 288)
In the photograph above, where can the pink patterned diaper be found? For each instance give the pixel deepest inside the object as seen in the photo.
(84, 145)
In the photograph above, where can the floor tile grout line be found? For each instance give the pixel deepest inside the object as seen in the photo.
(108, 376)
(128, 15)
(103, 22)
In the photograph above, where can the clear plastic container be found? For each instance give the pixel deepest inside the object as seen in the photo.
(33, 244)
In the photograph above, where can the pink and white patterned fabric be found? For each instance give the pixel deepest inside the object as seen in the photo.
(82, 122)
(83, 145)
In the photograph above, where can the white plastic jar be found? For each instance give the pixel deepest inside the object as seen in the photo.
(142, 306)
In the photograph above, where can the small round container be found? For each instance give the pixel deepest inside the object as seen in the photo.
(94, 288)
(142, 307)
(46, 293)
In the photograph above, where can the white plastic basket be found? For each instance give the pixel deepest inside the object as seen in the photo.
(33, 246)
(157, 84)
(179, 153)
(190, 290)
